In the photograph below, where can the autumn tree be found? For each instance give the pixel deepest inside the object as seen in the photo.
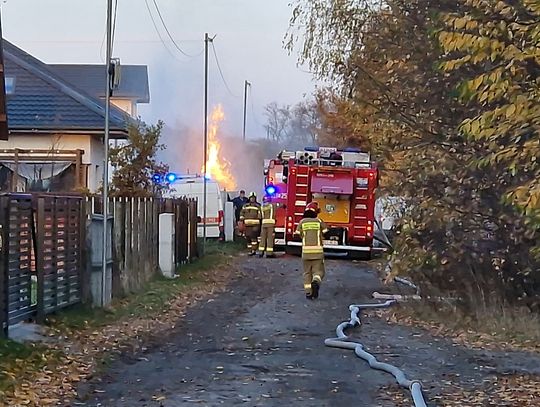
(135, 162)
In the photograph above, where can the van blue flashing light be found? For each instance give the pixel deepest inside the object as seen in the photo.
(157, 178)
(171, 177)
(271, 190)
(207, 176)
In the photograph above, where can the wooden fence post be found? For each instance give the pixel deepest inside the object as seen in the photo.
(40, 237)
(4, 264)
(84, 272)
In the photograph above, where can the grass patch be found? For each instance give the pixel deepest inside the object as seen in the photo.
(501, 324)
(152, 298)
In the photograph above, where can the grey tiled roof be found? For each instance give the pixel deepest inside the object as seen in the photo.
(91, 79)
(44, 101)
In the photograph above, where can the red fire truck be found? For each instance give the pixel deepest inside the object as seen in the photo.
(276, 191)
(343, 183)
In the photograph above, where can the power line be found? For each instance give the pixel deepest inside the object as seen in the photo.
(157, 30)
(221, 72)
(135, 41)
(171, 37)
(104, 35)
(114, 26)
(253, 107)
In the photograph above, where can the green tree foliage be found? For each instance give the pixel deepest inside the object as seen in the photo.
(135, 162)
(405, 81)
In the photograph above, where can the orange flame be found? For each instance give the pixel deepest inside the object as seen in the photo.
(217, 167)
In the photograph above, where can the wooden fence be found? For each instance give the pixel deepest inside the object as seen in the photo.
(135, 237)
(43, 249)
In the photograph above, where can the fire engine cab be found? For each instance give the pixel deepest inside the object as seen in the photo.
(276, 191)
(343, 183)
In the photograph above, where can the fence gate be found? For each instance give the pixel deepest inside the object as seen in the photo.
(60, 239)
(17, 291)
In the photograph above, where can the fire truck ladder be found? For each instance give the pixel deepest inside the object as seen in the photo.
(302, 189)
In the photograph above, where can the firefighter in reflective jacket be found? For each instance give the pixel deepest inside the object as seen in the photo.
(268, 213)
(311, 229)
(250, 215)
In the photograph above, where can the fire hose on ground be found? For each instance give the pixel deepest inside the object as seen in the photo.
(345, 342)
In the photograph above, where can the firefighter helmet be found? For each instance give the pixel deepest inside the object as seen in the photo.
(313, 206)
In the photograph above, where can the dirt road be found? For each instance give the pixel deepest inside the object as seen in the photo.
(261, 344)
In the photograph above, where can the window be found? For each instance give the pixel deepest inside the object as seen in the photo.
(10, 85)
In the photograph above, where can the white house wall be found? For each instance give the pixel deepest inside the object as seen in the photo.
(127, 105)
(95, 171)
(93, 156)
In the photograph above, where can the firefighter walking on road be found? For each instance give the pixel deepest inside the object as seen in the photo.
(250, 216)
(311, 229)
(268, 212)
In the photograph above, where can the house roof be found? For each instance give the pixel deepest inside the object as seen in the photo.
(42, 101)
(91, 79)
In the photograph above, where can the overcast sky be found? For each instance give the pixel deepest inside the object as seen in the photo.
(249, 45)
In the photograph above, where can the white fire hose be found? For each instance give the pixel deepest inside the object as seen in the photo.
(344, 342)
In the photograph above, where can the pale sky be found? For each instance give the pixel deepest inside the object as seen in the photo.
(249, 44)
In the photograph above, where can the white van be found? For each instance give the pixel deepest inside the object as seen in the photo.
(193, 187)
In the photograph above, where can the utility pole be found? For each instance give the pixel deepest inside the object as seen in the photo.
(246, 85)
(106, 146)
(207, 40)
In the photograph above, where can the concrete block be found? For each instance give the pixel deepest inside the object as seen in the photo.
(228, 221)
(166, 244)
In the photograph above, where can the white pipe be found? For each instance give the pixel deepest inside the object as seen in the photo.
(344, 342)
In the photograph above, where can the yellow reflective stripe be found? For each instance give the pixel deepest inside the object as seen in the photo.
(317, 278)
(311, 226)
(307, 286)
(251, 221)
(269, 249)
(268, 221)
(312, 249)
(251, 207)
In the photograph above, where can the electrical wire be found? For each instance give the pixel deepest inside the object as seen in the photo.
(171, 37)
(114, 25)
(221, 72)
(252, 103)
(157, 30)
(105, 34)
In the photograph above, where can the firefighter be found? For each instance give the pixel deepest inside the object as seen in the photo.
(268, 213)
(250, 216)
(311, 229)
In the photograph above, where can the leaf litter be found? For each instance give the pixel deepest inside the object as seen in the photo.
(77, 354)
